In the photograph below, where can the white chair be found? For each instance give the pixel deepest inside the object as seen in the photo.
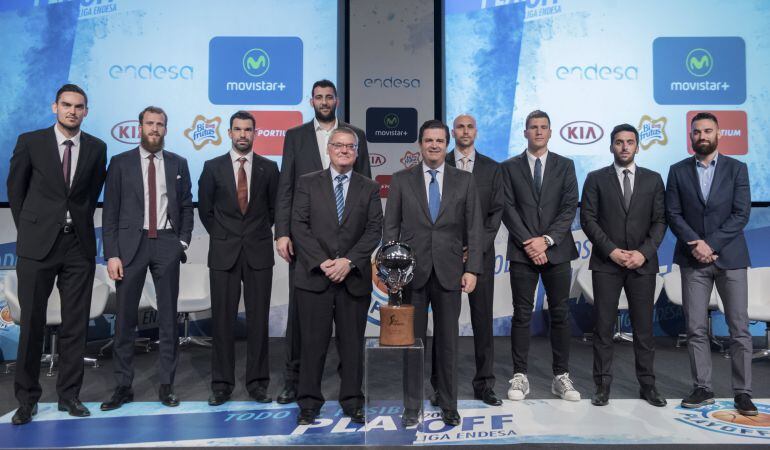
(672, 283)
(759, 305)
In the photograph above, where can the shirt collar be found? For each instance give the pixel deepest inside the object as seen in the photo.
(144, 154)
(317, 125)
(712, 164)
(60, 137)
(334, 173)
(471, 157)
(532, 157)
(631, 168)
(235, 156)
(439, 169)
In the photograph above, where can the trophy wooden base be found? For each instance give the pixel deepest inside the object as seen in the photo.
(396, 325)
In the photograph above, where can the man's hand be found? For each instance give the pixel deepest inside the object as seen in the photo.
(619, 256)
(284, 247)
(701, 251)
(336, 270)
(535, 246)
(465, 254)
(468, 282)
(540, 259)
(115, 269)
(635, 260)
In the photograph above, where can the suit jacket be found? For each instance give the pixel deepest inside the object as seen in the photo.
(39, 198)
(123, 212)
(528, 215)
(319, 236)
(301, 156)
(719, 221)
(436, 245)
(229, 230)
(489, 186)
(609, 225)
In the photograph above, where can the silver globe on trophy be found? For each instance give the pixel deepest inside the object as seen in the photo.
(395, 267)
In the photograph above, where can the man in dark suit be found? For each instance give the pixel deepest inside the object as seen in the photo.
(336, 225)
(304, 151)
(623, 214)
(708, 202)
(54, 181)
(541, 197)
(489, 185)
(236, 204)
(147, 223)
(434, 208)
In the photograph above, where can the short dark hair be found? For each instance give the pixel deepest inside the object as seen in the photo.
(704, 116)
(324, 84)
(433, 123)
(536, 114)
(623, 127)
(155, 110)
(69, 87)
(243, 115)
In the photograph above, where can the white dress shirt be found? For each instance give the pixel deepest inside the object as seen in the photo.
(74, 153)
(471, 158)
(631, 175)
(161, 196)
(439, 179)
(235, 156)
(531, 159)
(322, 136)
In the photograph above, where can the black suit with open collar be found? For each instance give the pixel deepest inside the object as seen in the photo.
(610, 225)
(319, 235)
(240, 251)
(528, 214)
(301, 156)
(39, 199)
(438, 249)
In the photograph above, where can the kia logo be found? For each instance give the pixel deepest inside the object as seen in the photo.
(581, 132)
(376, 160)
(127, 132)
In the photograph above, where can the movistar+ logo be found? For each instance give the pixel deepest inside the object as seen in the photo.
(256, 62)
(391, 120)
(699, 62)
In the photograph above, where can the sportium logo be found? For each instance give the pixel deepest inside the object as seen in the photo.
(734, 129)
(255, 70)
(270, 130)
(395, 125)
(699, 70)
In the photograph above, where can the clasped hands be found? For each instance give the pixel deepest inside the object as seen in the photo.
(535, 248)
(336, 269)
(630, 259)
(702, 251)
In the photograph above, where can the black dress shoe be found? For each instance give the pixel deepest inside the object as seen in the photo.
(287, 395)
(652, 396)
(450, 417)
(218, 398)
(121, 396)
(307, 416)
(602, 395)
(356, 415)
(698, 397)
(24, 414)
(167, 397)
(744, 405)
(74, 407)
(259, 395)
(489, 397)
(434, 399)
(410, 417)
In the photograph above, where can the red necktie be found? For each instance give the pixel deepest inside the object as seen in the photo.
(67, 161)
(152, 232)
(242, 188)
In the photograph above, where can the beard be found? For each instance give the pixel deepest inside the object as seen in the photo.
(242, 147)
(329, 117)
(150, 147)
(622, 163)
(705, 148)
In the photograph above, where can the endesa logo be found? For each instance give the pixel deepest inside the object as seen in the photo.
(150, 72)
(392, 83)
(255, 70)
(597, 72)
(699, 70)
(734, 130)
(270, 130)
(204, 131)
(127, 132)
(581, 132)
(394, 125)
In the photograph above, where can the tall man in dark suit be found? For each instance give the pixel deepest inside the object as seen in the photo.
(623, 214)
(236, 204)
(147, 224)
(541, 197)
(434, 208)
(489, 185)
(336, 225)
(708, 203)
(304, 151)
(54, 181)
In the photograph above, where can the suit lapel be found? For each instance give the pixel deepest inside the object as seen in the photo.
(548, 173)
(326, 186)
(256, 179)
(418, 186)
(316, 153)
(447, 191)
(84, 152)
(693, 171)
(56, 165)
(135, 173)
(226, 171)
(639, 178)
(354, 191)
(613, 179)
(718, 175)
(525, 172)
(171, 167)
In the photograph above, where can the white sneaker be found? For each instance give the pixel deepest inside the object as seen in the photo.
(519, 387)
(562, 386)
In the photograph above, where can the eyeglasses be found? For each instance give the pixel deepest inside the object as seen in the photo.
(337, 146)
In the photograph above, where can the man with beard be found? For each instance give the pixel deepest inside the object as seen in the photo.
(54, 181)
(708, 203)
(147, 222)
(236, 204)
(304, 151)
(623, 214)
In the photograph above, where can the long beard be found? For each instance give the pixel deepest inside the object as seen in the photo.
(150, 147)
(705, 150)
(326, 117)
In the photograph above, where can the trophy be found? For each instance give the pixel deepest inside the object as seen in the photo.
(395, 266)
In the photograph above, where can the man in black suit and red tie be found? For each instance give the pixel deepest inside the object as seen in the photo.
(623, 214)
(304, 151)
(54, 181)
(147, 223)
(236, 204)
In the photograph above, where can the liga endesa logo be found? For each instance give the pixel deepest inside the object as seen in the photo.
(270, 130)
(734, 129)
(721, 417)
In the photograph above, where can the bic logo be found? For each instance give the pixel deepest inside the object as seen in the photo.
(699, 62)
(391, 120)
(256, 62)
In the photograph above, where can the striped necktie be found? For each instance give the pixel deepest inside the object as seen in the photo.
(339, 195)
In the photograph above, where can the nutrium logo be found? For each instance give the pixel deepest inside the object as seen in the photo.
(204, 131)
(256, 62)
(721, 417)
(411, 159)
(699, 62)
(652, 131)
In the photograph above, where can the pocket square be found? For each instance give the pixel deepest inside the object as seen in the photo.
(179, 177)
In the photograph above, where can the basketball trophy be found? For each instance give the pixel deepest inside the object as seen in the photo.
(395, 267)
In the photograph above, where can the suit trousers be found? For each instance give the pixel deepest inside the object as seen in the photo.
(556, 280)
(732, 286)
(225, 297)
(74, 274)
(640, 291)
(293, 339)
(317, 311)
(162, 257)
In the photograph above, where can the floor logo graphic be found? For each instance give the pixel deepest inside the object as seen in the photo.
(394, 125)
(721, 417)
(256, 62)
(652, 131)
(734, 130)
(204, 131)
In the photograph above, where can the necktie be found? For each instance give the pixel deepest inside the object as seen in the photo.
(538, 175)
(434, 196)
(67, 161)
(340, 198)
(152, 231)
(242, 188)
(465, 163)
(626, 188)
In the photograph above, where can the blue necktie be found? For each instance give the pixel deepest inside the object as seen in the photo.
(339, 196)
(538, 175)
(434, 197)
